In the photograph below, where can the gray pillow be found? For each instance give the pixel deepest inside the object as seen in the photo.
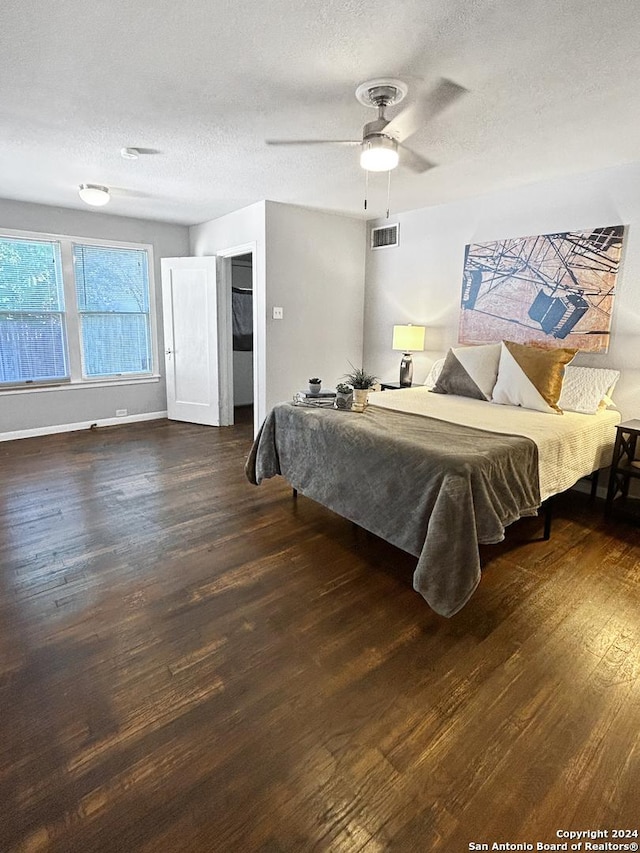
(469, 371)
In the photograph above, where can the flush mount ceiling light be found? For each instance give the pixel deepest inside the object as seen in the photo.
(94, 194)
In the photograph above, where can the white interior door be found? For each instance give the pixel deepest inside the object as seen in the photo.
(189, 305)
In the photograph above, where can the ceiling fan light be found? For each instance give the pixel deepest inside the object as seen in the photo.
(379, 154)
(94, 194)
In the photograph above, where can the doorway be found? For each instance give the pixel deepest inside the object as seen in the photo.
(242, 310)
(199, 345)
(240, 364)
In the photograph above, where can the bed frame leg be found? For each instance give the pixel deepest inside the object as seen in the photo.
(595, 476)
(548, 515)
(294, 494)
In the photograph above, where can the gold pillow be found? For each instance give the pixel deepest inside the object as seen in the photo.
(531, 376)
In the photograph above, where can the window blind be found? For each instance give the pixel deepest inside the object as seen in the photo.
(112, 291)
(32, 321)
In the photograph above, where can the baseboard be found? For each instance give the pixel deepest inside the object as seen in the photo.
(101, 422)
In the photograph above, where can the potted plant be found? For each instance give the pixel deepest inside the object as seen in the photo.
(315, 385)
(361, 382)
(344, 396)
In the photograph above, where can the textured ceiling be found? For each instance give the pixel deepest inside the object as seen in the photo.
(553, 89)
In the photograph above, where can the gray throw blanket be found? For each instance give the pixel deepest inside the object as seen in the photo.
(432, 488)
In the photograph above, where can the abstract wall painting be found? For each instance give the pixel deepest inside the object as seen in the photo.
(553, 289)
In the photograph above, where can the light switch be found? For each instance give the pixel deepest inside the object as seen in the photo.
(278, 313)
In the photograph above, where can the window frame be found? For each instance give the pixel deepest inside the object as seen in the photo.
(60, 313)
(71, 315)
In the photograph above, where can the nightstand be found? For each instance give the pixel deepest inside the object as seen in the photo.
(624, 468)
(394, 386)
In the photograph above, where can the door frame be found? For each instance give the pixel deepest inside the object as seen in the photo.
(225, 336)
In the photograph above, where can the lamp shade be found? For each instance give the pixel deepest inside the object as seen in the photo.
(94, 194)
(379, 154)
(408, 338)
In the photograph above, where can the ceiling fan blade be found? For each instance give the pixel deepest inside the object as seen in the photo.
(413, 161)
(313, 141)
(428, 105)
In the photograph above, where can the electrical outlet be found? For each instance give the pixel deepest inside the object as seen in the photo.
(122, 413)
(278, 313)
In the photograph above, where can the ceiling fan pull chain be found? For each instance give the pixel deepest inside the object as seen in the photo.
(366, 188)
(388, 190)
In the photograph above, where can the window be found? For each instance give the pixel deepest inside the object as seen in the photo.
(74, 311)
(112, 291)
(32, 328)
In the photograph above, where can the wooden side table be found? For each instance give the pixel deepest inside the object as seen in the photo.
(624, 468)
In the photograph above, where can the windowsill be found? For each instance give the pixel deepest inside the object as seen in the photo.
(79, 386)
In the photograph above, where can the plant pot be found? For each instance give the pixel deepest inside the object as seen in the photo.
(360, 396)
(343, 399)
(314, 388)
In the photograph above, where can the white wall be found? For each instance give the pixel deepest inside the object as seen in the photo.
(243, 378)
(45, 410)
(312, 265)
(243, 229)
(420, 280)
(315, 272)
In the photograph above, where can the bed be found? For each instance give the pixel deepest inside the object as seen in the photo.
(435, 475)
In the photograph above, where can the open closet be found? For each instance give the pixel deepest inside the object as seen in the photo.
(242, 328)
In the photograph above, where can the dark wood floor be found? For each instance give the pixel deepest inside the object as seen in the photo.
(190, 663)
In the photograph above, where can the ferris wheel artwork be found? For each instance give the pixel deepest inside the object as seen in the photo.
(552, 290)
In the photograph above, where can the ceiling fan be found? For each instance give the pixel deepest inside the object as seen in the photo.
(382, 145)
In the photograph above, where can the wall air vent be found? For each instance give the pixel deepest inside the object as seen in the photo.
(384, 237)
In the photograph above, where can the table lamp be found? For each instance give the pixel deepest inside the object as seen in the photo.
(407, 339)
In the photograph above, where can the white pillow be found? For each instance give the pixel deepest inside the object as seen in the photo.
(434, 373)
(585, 388)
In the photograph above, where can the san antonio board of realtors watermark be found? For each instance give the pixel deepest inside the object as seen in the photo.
(583, 840)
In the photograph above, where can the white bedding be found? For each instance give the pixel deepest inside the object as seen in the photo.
(570, 446)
